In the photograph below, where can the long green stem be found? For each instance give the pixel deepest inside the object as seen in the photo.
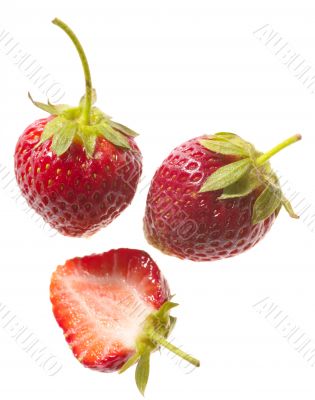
(266, 156)
(86, 69)
(163, 342)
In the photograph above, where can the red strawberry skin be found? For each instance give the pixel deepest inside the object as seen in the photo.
(75, 194)
(100, 302)
(182, 222)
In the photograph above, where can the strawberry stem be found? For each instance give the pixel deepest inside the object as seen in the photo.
(163, 342)
(266, 156)
(86, 69)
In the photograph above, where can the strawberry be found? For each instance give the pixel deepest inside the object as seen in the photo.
(114, 311)
(213, 197)
(77, 168)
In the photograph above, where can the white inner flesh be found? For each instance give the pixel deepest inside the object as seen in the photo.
(114, 309)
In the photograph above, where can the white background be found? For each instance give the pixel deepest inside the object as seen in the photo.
(171, 70)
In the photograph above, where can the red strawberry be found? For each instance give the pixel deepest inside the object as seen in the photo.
(213, 197)
(114, 310)
(78, 169)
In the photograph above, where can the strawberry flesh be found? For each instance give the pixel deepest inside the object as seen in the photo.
(101, 302)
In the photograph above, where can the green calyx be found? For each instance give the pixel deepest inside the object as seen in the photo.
(84, 123)
(156, 328)
(250, 172)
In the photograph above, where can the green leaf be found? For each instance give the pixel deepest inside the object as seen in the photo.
(244, 186)
(267, 203)
(224, 147)
(166, 307)
(88, 136)
(173, 321)
(247, 147)
(63, 139)
(143, 371)
(226, 175)
(225, 135)
(58, 108)
(163, 313)
(129, 363)
(50, 108)
(113, 136)
(230, 144)
(94, 98)
(51, 128)
(71, 113)
(288, 207)
(98, 116)
(68, 124)
(89, 143)
(122, 128)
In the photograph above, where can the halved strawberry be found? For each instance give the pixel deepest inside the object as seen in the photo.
(114, 310)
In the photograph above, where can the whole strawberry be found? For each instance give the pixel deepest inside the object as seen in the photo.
(114, 310)
(213, 197)
(77, 168)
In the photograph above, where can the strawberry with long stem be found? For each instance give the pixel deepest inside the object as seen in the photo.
(78, 168)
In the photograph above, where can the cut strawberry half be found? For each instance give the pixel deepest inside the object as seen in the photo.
(114, 310)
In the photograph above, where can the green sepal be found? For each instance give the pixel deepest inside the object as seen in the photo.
(173, 321)
(88, 136)
(63, 139)
(71, 113)
(228, 144)
(153, 334)
(50, 108)
(143, 371)
(244, 186)
(288, 207)
(251, 171)
(224, 135)
(51, 128)
(226, 175)
(267, 203)
(68, 126)
(113, 136)
(223, 147)
(130, 362)
(164, 310)
(248, 150)
(122, 128)
(94, 98)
